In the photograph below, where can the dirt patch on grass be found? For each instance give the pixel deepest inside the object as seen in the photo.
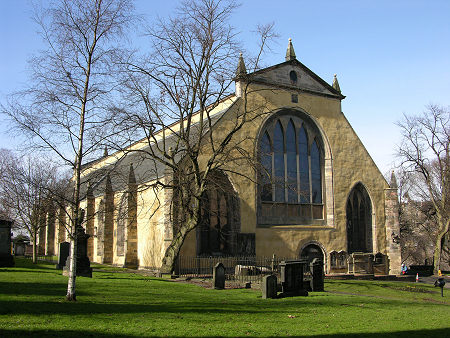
(409, 289)
(207, 283)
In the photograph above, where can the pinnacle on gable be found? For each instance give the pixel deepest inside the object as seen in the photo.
(105, 152)
(290, 54)
(241, 70)
(393, 182)
(335, 84)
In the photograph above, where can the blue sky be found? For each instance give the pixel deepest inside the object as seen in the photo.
(391, 57)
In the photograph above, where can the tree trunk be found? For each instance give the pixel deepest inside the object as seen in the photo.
(71, 296)
(34, 247)
(173, 250)
(438, 247)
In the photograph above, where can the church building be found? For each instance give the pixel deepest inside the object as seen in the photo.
(317, 192)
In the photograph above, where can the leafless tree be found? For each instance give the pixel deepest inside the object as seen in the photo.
(27, 187)
(425, 153)
(170, 99)
(418, 222)
(71, 86)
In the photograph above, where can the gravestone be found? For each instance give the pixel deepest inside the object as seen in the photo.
(6, 259)
(64, 252)
(317, 280)
(219, 276)
(292, 278)
(360, 263)
(83, 262)
(269, 287)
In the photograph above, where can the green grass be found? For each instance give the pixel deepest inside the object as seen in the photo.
(131, 305)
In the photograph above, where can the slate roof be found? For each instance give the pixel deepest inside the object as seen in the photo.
(145, 168)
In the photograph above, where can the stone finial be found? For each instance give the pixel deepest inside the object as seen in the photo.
(241, 71)
(105, 152)
(131, 176)
(290, 54)
(393, 182)
(335, 84)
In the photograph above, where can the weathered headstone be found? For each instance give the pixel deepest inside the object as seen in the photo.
(360, 263)
(219, 276)
(83, 262)
(317, 280)
(6, 259)
(292, 278)
(64, 251)
(269, 287)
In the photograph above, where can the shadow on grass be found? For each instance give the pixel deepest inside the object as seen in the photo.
(155, 304)
(85, 333)
(37, 270)
(35, 289)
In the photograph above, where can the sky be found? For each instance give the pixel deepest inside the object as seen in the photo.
(391, 57)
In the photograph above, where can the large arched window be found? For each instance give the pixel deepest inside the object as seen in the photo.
(292, 166)
(218, 232)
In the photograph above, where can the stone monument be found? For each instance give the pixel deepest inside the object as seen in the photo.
(269, 287)
(83, 262)
(6, 259)
(219, 276)
(292, 278)
(317, 280)
(64, 252)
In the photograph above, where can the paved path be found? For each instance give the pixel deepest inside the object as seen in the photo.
(432, 279)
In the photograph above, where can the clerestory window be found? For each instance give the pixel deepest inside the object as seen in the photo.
(290, 152)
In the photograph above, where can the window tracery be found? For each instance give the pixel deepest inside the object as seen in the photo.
(292, 166)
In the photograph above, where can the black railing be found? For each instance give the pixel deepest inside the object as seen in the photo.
(239, 268)
(46, 258)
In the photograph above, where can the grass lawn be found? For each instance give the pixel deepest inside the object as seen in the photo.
(131, 305)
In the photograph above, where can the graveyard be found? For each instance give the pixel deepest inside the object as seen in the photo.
(119, 302)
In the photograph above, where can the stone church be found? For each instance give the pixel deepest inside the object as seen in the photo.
(320, 194)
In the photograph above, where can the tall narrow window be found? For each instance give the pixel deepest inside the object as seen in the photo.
(316, 180)
(303, 166)
(291, 161)
(278, 153)
(266, 173)
(100, 227)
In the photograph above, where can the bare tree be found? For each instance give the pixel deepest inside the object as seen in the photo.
(418, 221)
(72, 85)
(171, 98)
(27, 187)
(425, 153)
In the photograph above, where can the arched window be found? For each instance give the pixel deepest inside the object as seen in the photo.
(291, 179)
(266, 172)
(291, 160)
(303, 165)
(359, 220)
(316, 181)
(219, 229)
(278, 154)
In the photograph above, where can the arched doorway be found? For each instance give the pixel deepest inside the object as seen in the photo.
(312, 251)
(359, 220)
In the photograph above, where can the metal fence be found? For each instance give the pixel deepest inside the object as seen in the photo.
(46, 258)
(239, 268)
